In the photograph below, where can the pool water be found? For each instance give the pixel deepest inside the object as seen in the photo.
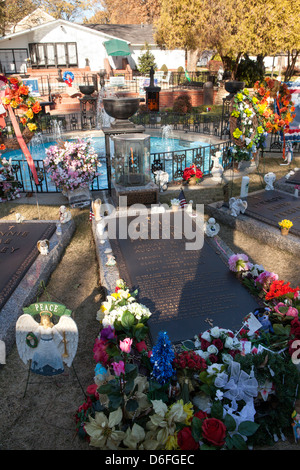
(158, 145)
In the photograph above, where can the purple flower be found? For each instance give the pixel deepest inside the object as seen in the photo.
(107, 333)
(239, 262)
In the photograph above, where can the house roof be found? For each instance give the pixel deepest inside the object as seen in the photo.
(133, 33)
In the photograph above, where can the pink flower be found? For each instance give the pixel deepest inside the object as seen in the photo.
(119, 368)
(239, 262)
(288, 311)
(125, 345)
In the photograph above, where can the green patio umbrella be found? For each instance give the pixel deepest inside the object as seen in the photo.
(116, 47)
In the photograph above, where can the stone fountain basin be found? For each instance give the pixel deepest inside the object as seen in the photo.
(121, 108)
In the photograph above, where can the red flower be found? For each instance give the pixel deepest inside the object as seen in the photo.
(141, 346)
(214, 431)
(280, 289)
(186, 441)
(218, 343)
(201, 414)
(92, 391)
(99, 350)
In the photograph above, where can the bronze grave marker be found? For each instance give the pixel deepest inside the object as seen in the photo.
(187, 291)
(18, 250)
(273, 206)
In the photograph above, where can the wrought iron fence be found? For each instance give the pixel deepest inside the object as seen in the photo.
(174, 162)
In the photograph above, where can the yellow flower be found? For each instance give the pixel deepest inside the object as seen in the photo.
(239, 96)
(246, 91)
(32, 127)
(5, 100)
(260, 129)
(172, 443)
(237, 133)
(248, 112)
(254, 100)
(13, 104)
(188, 408)
(29, 114)
(285, 223)
(235, 113)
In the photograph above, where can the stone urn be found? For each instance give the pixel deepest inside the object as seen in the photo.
(233, 86)
(121, 109)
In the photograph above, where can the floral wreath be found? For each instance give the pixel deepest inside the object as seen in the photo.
(246, 129)
(275, 106)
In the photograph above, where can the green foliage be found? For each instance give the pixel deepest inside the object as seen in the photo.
(182, 104)
(249, 71)
(146, 60)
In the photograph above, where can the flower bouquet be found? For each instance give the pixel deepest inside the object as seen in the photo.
(192, 174)
(72, 164)
(8, 185)
(285, 226)
(17, 96)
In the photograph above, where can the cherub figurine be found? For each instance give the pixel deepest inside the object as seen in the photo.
(43, 246)
(46, 345)
(64, 215)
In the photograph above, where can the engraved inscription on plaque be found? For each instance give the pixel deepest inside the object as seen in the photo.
(182, 288)
(273, 206)
(18, 250)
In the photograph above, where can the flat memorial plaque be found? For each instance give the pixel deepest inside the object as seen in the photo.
(18, 250)
(273, 206)
(185, 290)
(294, 179)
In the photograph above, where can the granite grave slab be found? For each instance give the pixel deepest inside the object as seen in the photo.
(18, 250)
(273, 206)
(294, 179)
(187, 291)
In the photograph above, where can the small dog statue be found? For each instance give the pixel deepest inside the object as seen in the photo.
(43, 247)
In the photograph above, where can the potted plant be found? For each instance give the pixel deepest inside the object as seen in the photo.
(192, 174)
(72, 166)
(285, 226)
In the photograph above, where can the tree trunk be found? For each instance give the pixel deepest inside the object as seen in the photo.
(292, 58)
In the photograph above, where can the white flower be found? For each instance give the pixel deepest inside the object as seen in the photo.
(203, 354)
(212, 349)
(219, 395)
(206, 336)
(228, 342)
(227, 358)
(214, 369)
(215, 332)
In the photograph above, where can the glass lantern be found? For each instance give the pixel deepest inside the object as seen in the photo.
(131, 160)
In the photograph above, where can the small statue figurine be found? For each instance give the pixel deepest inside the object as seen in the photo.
(262, 315)
(161, 179)
(174, 388)
(96, 207)
(19, 218)
(217, 169)
(64, 215)
(211, 227)
(269, 179)
(43, 247)
(237, 206)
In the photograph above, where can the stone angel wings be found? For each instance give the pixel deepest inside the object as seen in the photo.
(47, 346)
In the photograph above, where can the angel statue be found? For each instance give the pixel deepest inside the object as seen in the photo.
(47, 346)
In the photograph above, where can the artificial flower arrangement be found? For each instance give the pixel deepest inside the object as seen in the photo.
(19, 98)
(226, 395)
(192, 171)
(9, 187)
(285, 223)
(271, 92)
(246, 127)
(72, 164)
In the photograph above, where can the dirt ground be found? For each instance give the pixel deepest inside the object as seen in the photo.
(44, 418)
